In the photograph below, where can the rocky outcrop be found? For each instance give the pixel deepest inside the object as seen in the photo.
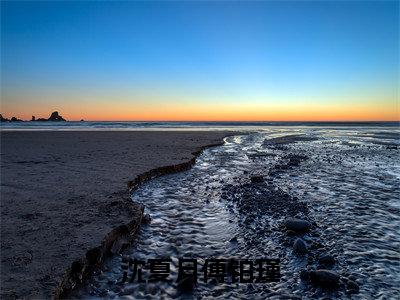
(3, 119)
(15, 119)
(55, 117)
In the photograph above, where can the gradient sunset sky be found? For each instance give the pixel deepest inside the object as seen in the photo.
(264, 61)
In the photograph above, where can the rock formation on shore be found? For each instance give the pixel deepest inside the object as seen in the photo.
(55, 116)
(13, 119)
(3, 119)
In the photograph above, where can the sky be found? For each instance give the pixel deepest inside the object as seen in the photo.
(201, 61)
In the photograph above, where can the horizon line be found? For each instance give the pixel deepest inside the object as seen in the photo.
(224, 121)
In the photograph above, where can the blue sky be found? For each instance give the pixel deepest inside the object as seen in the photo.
(198, 53)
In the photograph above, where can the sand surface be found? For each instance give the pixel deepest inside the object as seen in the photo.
(56, 190)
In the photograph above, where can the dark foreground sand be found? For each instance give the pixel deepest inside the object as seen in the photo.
(56, 190)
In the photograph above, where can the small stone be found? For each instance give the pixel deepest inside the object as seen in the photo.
(256, 179)
(299, 246)
(325, 278)
(297, 225)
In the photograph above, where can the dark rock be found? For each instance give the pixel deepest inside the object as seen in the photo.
(146, 219)
(257, 179)
(297, 225)
(15, 119)
(352, 287)
(3, 119)
(326, 260)
(55, 117)
(299, 247)
(325, 278)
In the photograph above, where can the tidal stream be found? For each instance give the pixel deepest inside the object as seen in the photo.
(343, 181)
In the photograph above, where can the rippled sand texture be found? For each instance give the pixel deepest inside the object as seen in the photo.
(62, 192)
(344, 181)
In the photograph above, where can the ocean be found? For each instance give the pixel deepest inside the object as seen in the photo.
(125, 125)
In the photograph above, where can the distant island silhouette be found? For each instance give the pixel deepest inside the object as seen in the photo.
(54, 117)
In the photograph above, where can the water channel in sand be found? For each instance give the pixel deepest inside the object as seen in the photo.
(345, 181)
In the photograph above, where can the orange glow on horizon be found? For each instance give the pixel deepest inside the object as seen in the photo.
(192, 112)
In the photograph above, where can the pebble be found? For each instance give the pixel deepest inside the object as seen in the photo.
(299, 246)
(297, 225)
(256, 179)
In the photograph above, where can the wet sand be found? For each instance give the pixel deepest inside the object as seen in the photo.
(323, 201)
(62, 192)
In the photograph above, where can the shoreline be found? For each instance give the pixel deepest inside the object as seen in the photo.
(113, 210)
(95, 257)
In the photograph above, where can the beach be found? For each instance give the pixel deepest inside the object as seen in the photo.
(62, 192)
(320, 202)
